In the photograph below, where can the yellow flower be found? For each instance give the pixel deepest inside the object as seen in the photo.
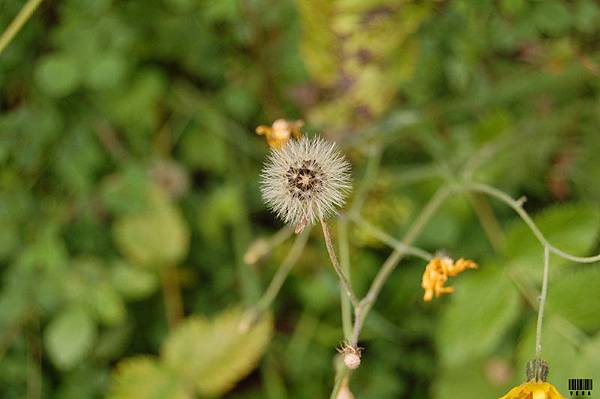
(534, 390)
(280, 132)
(437, 272)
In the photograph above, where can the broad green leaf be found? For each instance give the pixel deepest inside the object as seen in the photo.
(57, 75)
(126, 193)
(155, 237)
(481, 310)
(588, 362)
(215, 354)
(133, 282)
(572, 228)
(69, 337)
(144, 377)
(467, 381)
(109, 305)
(106, 72)
(576, 297)
(551, 16)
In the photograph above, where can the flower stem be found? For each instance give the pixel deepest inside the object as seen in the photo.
(336, 265)
(540, 318)
(362, 309)
(517, 205)
(267, 298)
(18, 22)
(345, 262)
(389, 240)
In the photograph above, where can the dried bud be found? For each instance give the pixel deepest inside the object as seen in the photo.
(351, 360)
(257, 250)
(351, 355)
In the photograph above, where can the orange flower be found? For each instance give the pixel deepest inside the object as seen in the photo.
(534, 390)
(437, 272)
(280, 132)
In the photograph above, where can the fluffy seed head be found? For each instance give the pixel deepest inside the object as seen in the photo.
(305, 180)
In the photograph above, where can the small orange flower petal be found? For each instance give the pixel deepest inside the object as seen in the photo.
(437, 272)
(280, 132)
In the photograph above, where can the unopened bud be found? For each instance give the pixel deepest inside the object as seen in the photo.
(257, 250)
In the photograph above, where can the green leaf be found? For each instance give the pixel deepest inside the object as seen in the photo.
(107, 71)
(551, 16)
(132, 282)
(144, 377)
(57, 75)
(69, 337)
(588, 362)
(482, 309)
(109, 305)
(156, 237)
(576, 297)
(215, 354)
(467, 381)
(572, 228)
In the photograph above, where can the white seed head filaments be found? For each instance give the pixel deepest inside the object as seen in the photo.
(305, 180)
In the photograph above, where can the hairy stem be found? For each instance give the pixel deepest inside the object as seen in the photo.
(540, 318)
(267, 298)
(392, 261)
(345, 262)
(336, 265)
(518, 207)
(18, 22)
(389, 240)
(340, 376)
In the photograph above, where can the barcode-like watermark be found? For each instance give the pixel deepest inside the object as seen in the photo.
(580, 387)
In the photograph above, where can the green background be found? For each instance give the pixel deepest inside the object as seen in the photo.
(129, 173)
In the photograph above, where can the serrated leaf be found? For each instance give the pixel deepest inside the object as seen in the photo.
(572, 228)
(483, 307)
(69, 337)
(576, 297)
(145, 378)
(155, 237)
(215, 354)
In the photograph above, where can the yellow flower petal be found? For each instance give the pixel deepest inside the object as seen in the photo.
(533, 390)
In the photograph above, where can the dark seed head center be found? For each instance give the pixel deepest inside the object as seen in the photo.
(304, 179)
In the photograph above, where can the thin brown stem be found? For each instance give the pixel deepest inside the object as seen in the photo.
(172, 296)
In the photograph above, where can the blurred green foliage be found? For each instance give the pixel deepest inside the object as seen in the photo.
(129, 193)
